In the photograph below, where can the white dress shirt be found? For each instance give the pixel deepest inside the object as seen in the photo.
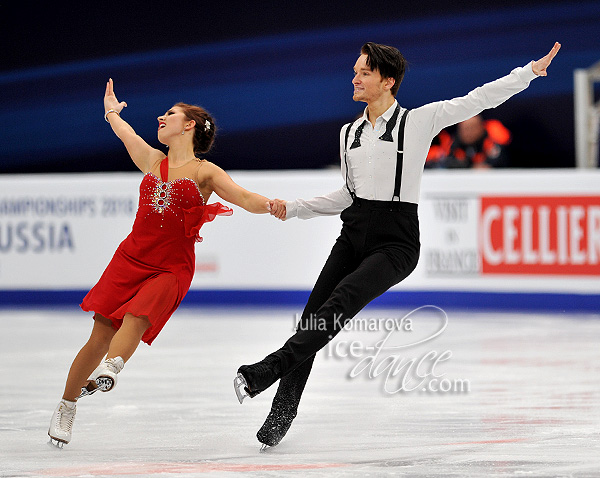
(373, 165)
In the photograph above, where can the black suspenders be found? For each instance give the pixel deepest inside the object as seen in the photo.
(346, 160)
(399, 155)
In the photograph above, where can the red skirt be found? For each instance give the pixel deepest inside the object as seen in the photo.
(130, 287)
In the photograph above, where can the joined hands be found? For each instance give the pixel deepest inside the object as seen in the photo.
(278, 208)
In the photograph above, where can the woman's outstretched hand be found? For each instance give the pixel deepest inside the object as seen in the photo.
(539, 67)
(110, 100)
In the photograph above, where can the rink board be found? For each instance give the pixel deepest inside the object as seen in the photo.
(515, 238)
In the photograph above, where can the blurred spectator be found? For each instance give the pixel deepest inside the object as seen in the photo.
(478, 143)
(439, 150)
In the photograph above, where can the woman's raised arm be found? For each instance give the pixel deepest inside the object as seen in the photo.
(142, 154)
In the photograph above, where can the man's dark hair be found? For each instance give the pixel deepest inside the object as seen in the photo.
(387, 60)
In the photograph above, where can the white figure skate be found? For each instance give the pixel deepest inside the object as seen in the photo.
(61, 424)
(104, 378)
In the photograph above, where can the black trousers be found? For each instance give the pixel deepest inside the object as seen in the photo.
(377, 248)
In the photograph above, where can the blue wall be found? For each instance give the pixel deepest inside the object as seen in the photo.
(467, 300)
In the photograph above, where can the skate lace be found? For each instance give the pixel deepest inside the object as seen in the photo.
(65, 418)
(262, 370)
(260, 375)
(115, 365)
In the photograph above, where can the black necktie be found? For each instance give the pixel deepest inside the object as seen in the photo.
(356, 142)
(387, 136)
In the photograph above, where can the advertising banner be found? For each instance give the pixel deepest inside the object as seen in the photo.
(508, 231)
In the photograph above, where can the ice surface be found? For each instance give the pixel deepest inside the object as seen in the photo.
(532, 408)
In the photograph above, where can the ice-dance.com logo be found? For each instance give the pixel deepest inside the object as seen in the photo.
(403, 358)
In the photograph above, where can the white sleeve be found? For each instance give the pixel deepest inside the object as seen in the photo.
(327, 205)
(442, 114)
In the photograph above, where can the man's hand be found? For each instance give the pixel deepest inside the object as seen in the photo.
(539, 67)
(278, 208)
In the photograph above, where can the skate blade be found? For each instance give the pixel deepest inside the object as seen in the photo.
(264, 448)
(58, 445)
(88, 390)
(241, 387)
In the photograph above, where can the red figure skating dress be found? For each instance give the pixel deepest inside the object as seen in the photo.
(153, 267)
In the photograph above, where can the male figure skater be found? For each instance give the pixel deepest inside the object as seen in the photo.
(382, 156)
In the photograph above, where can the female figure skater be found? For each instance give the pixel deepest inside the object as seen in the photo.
(152, 269)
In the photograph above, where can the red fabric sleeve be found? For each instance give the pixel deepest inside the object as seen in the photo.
(195, 217)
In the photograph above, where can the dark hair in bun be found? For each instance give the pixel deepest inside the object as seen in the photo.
(205, 129)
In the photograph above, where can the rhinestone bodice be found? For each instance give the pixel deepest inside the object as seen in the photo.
(168, 197)
(168, 220)
(159, 235)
